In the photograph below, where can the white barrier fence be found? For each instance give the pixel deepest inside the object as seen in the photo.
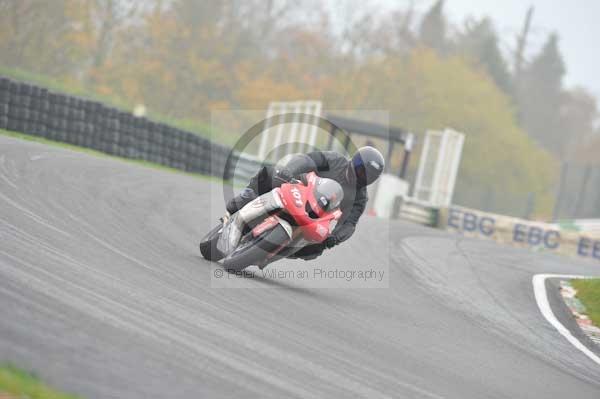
(520, 232)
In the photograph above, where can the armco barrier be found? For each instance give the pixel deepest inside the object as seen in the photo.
(520, 232)
(415, 211)
(33, 110)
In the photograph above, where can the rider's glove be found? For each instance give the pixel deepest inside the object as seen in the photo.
(341, 234)
(330, 242)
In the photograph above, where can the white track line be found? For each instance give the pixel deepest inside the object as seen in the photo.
(539, 289)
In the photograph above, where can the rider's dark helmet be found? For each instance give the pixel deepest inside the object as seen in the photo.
(367, 164)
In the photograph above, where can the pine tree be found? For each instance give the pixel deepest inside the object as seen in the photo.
(540, 97)
(549, 66)
(433, 28)
(480, 41)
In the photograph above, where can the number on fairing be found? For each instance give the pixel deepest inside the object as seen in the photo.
(297, 196)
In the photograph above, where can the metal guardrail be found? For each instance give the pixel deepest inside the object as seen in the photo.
(589, 226)
(415, 211)
(243, 168)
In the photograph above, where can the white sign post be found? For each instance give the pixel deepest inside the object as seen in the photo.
(438, 167)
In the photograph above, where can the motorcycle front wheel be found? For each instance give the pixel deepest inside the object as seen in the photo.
(256, 250)
(208, 245)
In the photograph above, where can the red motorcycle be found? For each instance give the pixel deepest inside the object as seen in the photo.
(276, 224)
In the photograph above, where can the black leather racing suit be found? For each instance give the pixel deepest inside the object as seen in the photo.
(327, 164)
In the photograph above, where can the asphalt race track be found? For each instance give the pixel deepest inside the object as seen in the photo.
(103, 293)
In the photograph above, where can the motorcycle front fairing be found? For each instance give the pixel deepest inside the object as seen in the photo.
(314, 224)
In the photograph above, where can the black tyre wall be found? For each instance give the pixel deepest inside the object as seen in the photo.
(34, 110)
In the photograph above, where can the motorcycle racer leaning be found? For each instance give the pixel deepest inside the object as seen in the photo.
(354, 175)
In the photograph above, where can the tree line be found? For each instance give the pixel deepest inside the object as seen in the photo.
(184, 58)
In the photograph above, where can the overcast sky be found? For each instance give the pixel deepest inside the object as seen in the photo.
(576, 21)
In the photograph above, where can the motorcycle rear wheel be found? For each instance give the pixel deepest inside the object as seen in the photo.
(256, 250)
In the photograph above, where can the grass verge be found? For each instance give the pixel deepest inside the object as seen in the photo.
(57, 85)
(21, 384)
(588, 292)
(72, 147)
